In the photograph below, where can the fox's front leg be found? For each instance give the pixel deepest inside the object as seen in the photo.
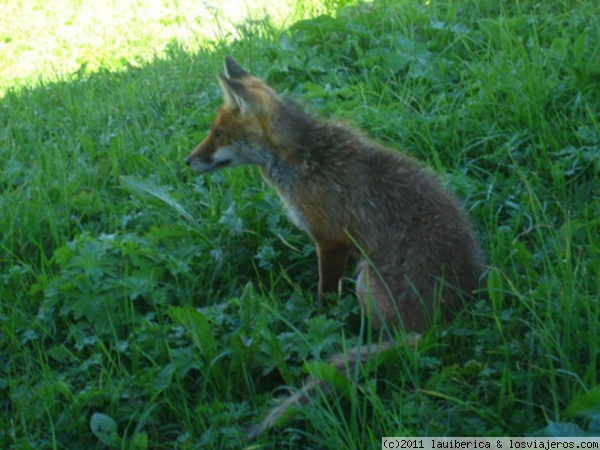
(332, 263)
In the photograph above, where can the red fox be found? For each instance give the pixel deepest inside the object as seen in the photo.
(418, 254)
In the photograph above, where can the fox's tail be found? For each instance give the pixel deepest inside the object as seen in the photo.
(340, 361)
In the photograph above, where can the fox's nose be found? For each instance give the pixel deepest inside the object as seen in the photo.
(188, 160)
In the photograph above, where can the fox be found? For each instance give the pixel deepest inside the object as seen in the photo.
(417, 254)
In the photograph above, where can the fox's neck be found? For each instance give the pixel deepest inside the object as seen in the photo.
(300, 146)
(283, 173)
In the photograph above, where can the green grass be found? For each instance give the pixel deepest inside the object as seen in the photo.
(49, 40)
(168, 309)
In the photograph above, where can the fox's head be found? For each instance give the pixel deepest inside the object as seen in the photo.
(240, 131)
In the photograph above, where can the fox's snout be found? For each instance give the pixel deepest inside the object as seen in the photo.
(198, 163)
(203, 159)
(204, 163)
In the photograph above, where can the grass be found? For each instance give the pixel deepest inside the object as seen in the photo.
(50, 40)
(142, 306)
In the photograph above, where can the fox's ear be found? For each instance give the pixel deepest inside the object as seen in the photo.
(235, 94)
(233, 70)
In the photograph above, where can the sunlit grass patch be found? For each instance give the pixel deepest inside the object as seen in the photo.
(47, 40)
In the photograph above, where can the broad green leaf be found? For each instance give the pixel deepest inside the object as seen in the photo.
(139, 186)
(105, 429)
(559, 429)
(494, 283)
(140, 441)
(589, 402)
(279, 357)
(329, 374)
(198, 326)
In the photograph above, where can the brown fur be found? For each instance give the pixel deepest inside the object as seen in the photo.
(418, 254)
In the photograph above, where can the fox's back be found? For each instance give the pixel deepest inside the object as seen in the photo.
(377, 195)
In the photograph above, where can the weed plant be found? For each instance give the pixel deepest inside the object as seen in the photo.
(143, 306)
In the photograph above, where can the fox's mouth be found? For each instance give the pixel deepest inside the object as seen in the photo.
(220, 164)
(199, 164)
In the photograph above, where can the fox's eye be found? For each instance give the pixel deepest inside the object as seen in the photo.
(217, 134)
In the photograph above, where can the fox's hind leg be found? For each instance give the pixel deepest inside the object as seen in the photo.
(389, 298)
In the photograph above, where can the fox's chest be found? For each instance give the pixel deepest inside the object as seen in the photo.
(295, 214)
(284, 185)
